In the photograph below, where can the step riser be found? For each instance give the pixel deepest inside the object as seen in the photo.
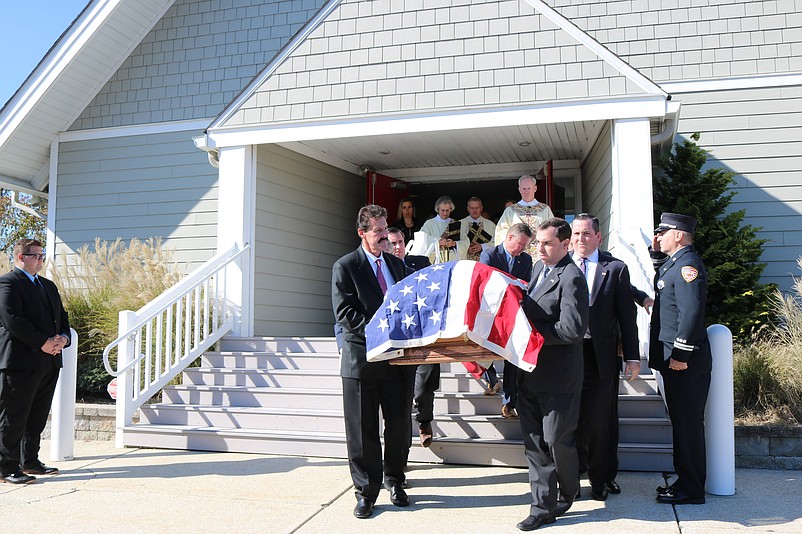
(636, 433)
(272, 398)
(495, 428)
(267, 361)
(258, 379)
(233, 419)
(300, 345)
(628, 407)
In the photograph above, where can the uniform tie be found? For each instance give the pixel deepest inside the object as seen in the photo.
(380, 276)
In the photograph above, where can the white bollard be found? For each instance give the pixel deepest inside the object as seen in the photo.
(62, 416)
(720, 415)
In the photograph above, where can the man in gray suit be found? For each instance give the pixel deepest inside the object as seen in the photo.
(359, 281)
(548, 397)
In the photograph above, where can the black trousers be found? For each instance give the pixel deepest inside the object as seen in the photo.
(362, 400)
(548, 422)
(686, 397)
(595, 413)
(25, 399)
(427, 381)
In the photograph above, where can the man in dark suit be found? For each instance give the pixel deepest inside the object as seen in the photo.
(548, 397)
(510, 257)
(612, 313)
(425, 378)
(680, 350)
(33, 330)
(359, 281)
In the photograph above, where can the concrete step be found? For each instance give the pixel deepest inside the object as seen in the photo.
(323, 361)
(653, 457)
(259, 397)
(279, 344)
(645, 430)
(641, 386)
(466, 403)
(272, 378)
(641, 406)
(187, 437)
(302, 420)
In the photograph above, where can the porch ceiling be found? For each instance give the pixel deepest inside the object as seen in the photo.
(432, 156)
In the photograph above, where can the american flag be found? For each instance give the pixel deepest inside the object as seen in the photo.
(450, 299)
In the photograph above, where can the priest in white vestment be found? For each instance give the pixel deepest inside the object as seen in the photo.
(443, 242)
(476, 231)
(527, 210)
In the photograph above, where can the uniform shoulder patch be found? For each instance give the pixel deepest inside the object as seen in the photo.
(689, 273)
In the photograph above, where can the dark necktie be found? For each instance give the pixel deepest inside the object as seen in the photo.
(545, 275)
(380, 276)
(40, 287)
(583, 266)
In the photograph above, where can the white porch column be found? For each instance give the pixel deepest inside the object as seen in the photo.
(632, 221)
(236, 224)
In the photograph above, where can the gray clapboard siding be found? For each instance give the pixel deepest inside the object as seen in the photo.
(757, 133)
(305, 220)
(125, 187)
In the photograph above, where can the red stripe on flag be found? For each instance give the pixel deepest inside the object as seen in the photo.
(475, 369)
(504, 321)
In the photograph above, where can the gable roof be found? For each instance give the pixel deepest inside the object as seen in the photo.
(384, 58)
(65, 81)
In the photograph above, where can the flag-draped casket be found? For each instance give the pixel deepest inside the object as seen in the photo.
(452, 300)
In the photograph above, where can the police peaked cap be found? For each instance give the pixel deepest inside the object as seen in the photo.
(676, 221)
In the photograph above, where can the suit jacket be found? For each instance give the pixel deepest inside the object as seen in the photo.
(558, 308)
(611, 306)
(497, 257)
(27, 319)
(416, 263)
(355, 298)
(678, 318)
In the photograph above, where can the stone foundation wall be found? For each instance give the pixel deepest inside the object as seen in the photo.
(93, 422)
(768, 447)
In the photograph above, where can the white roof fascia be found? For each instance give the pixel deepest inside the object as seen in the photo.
(136, 129)
(724, 84)
(544, 113)
(46, 73)
(283, 54)
(597, 48)
(18, 185)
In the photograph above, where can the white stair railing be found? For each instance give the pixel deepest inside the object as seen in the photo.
(161, 339)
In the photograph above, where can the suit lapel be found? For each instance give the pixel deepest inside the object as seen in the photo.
(548, 283)
(366, 272)
(599, 279)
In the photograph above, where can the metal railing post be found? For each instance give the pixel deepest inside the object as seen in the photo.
(126, 352)
(720, 415)
(62, 417)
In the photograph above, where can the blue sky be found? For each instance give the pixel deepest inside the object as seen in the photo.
(30, 27)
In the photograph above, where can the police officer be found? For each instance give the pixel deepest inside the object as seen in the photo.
(680, 350)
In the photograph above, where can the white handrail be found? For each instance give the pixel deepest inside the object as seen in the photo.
(162, 338)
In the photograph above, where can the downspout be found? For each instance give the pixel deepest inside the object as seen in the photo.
(667, 134)
(27, 209)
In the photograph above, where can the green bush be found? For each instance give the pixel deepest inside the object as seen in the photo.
(98, 283)
(768, 373)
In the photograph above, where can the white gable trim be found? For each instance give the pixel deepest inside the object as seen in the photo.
(724, 84)
(552, 112)
(616, 62)
(286, 52)
(138, 129)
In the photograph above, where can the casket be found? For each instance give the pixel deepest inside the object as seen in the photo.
(458, 349)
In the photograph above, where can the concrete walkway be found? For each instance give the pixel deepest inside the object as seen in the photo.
(148, 490)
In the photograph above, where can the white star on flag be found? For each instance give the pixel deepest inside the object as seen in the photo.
(434, 286)
(435, 318)
(421, 302)
(422, 276)
(406, 291)
(393, 306)
(408, 321)
(383, 325)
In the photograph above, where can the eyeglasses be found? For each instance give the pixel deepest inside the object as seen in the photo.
(37, 256)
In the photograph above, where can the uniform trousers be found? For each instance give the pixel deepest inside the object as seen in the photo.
(548, 423)
(25, 399)
(362, 400)
(686, 397)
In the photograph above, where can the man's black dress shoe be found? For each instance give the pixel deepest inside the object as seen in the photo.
(678, 497)
(533, 523)
(613, 487)
(425, 434)
(599, 493)
(364, 508)
(39, 469)
(398, 496)
(18, 478)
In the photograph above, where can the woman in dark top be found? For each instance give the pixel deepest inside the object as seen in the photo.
(406, 219)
